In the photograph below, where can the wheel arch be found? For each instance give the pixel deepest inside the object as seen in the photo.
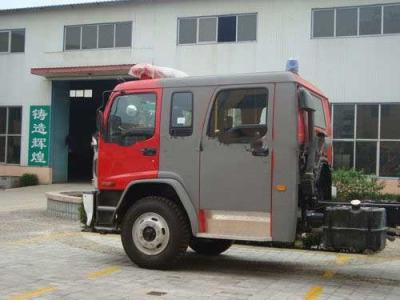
(165, 187)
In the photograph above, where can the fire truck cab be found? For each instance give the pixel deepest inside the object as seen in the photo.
(205, 161)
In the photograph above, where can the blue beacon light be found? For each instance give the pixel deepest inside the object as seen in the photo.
(292, 65)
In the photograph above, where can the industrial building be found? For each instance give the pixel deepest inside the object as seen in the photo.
(56, 62)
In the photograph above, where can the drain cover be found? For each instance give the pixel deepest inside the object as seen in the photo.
(156, 293)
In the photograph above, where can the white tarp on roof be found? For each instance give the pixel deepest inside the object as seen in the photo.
(148, 71)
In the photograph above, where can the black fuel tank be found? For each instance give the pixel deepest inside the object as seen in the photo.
(354, 229)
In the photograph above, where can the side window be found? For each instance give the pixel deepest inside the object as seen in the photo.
(181, 123)
(319, 114)
(239, 115)
(132, 118)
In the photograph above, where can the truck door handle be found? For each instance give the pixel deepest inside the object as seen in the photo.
(148, 151)
(260, 151)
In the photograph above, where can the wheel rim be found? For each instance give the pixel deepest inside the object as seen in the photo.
(150, 233)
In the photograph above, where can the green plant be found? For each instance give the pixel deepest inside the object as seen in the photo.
(28, 179)
(82, 214)
(352, 184)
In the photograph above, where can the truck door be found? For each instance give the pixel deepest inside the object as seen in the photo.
(235, 164)
(129, 147)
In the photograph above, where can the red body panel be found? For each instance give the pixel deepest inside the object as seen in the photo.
(119, 165)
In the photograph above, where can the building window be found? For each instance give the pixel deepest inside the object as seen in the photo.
(370, 20)
(207, 30)
(324, 22)
(346, 21)
(356, 21)
(221, 29)
(81, 93)
(366, 137)
(10, 134)
(12, 41)
(97, 36)
(181, 114)
(391, 20)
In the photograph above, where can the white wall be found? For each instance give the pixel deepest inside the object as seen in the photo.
(353, 69)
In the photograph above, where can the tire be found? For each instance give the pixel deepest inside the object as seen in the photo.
(210, 247)
(155, 233)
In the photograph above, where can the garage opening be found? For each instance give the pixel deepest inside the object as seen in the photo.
(85, 97)
(74, 106)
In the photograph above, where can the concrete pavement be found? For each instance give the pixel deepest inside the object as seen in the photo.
(49, 258)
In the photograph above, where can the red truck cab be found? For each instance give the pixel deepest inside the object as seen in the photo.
(205, 161)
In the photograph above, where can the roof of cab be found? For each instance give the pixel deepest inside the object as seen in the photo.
(196, 81)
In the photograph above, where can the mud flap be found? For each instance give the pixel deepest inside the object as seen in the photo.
(88, 205)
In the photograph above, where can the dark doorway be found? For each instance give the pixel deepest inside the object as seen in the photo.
(84, 99)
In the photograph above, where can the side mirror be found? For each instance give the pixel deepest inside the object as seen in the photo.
(101, 127)
(306, 102)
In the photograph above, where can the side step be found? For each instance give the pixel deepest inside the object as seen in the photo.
(103, 229)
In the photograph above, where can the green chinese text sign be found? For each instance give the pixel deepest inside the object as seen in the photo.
(39, 133)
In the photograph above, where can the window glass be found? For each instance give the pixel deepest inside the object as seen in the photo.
(391, 22)
(390, 128)
(14, 120)
(367, 121)
(13, 149)
(366, 157)
(2, 149)
(18, 40)
(3, 117)
(319, 115)
(187, 31)
(239, 115)
(227, 29)
(89, 36)
(343, 121)
(4, 39)
(182, 110)
(207, 29)
(343, 155)
(132, 117)
(247, 27)
(346, 21)
(390, 159)
(323, 23)
(123, 34)
(370, 20)
(72, 37)
(106, 36)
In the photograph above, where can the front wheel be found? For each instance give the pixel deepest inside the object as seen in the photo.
(155, 233)
(210, 246)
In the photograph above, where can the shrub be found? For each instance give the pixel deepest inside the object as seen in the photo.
(82, 214)
(352, 184)
(28, 179)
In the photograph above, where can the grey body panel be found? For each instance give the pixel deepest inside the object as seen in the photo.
(286, 164)
(215, 182)
(179, 189)
(179, 156)
(231, 178)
